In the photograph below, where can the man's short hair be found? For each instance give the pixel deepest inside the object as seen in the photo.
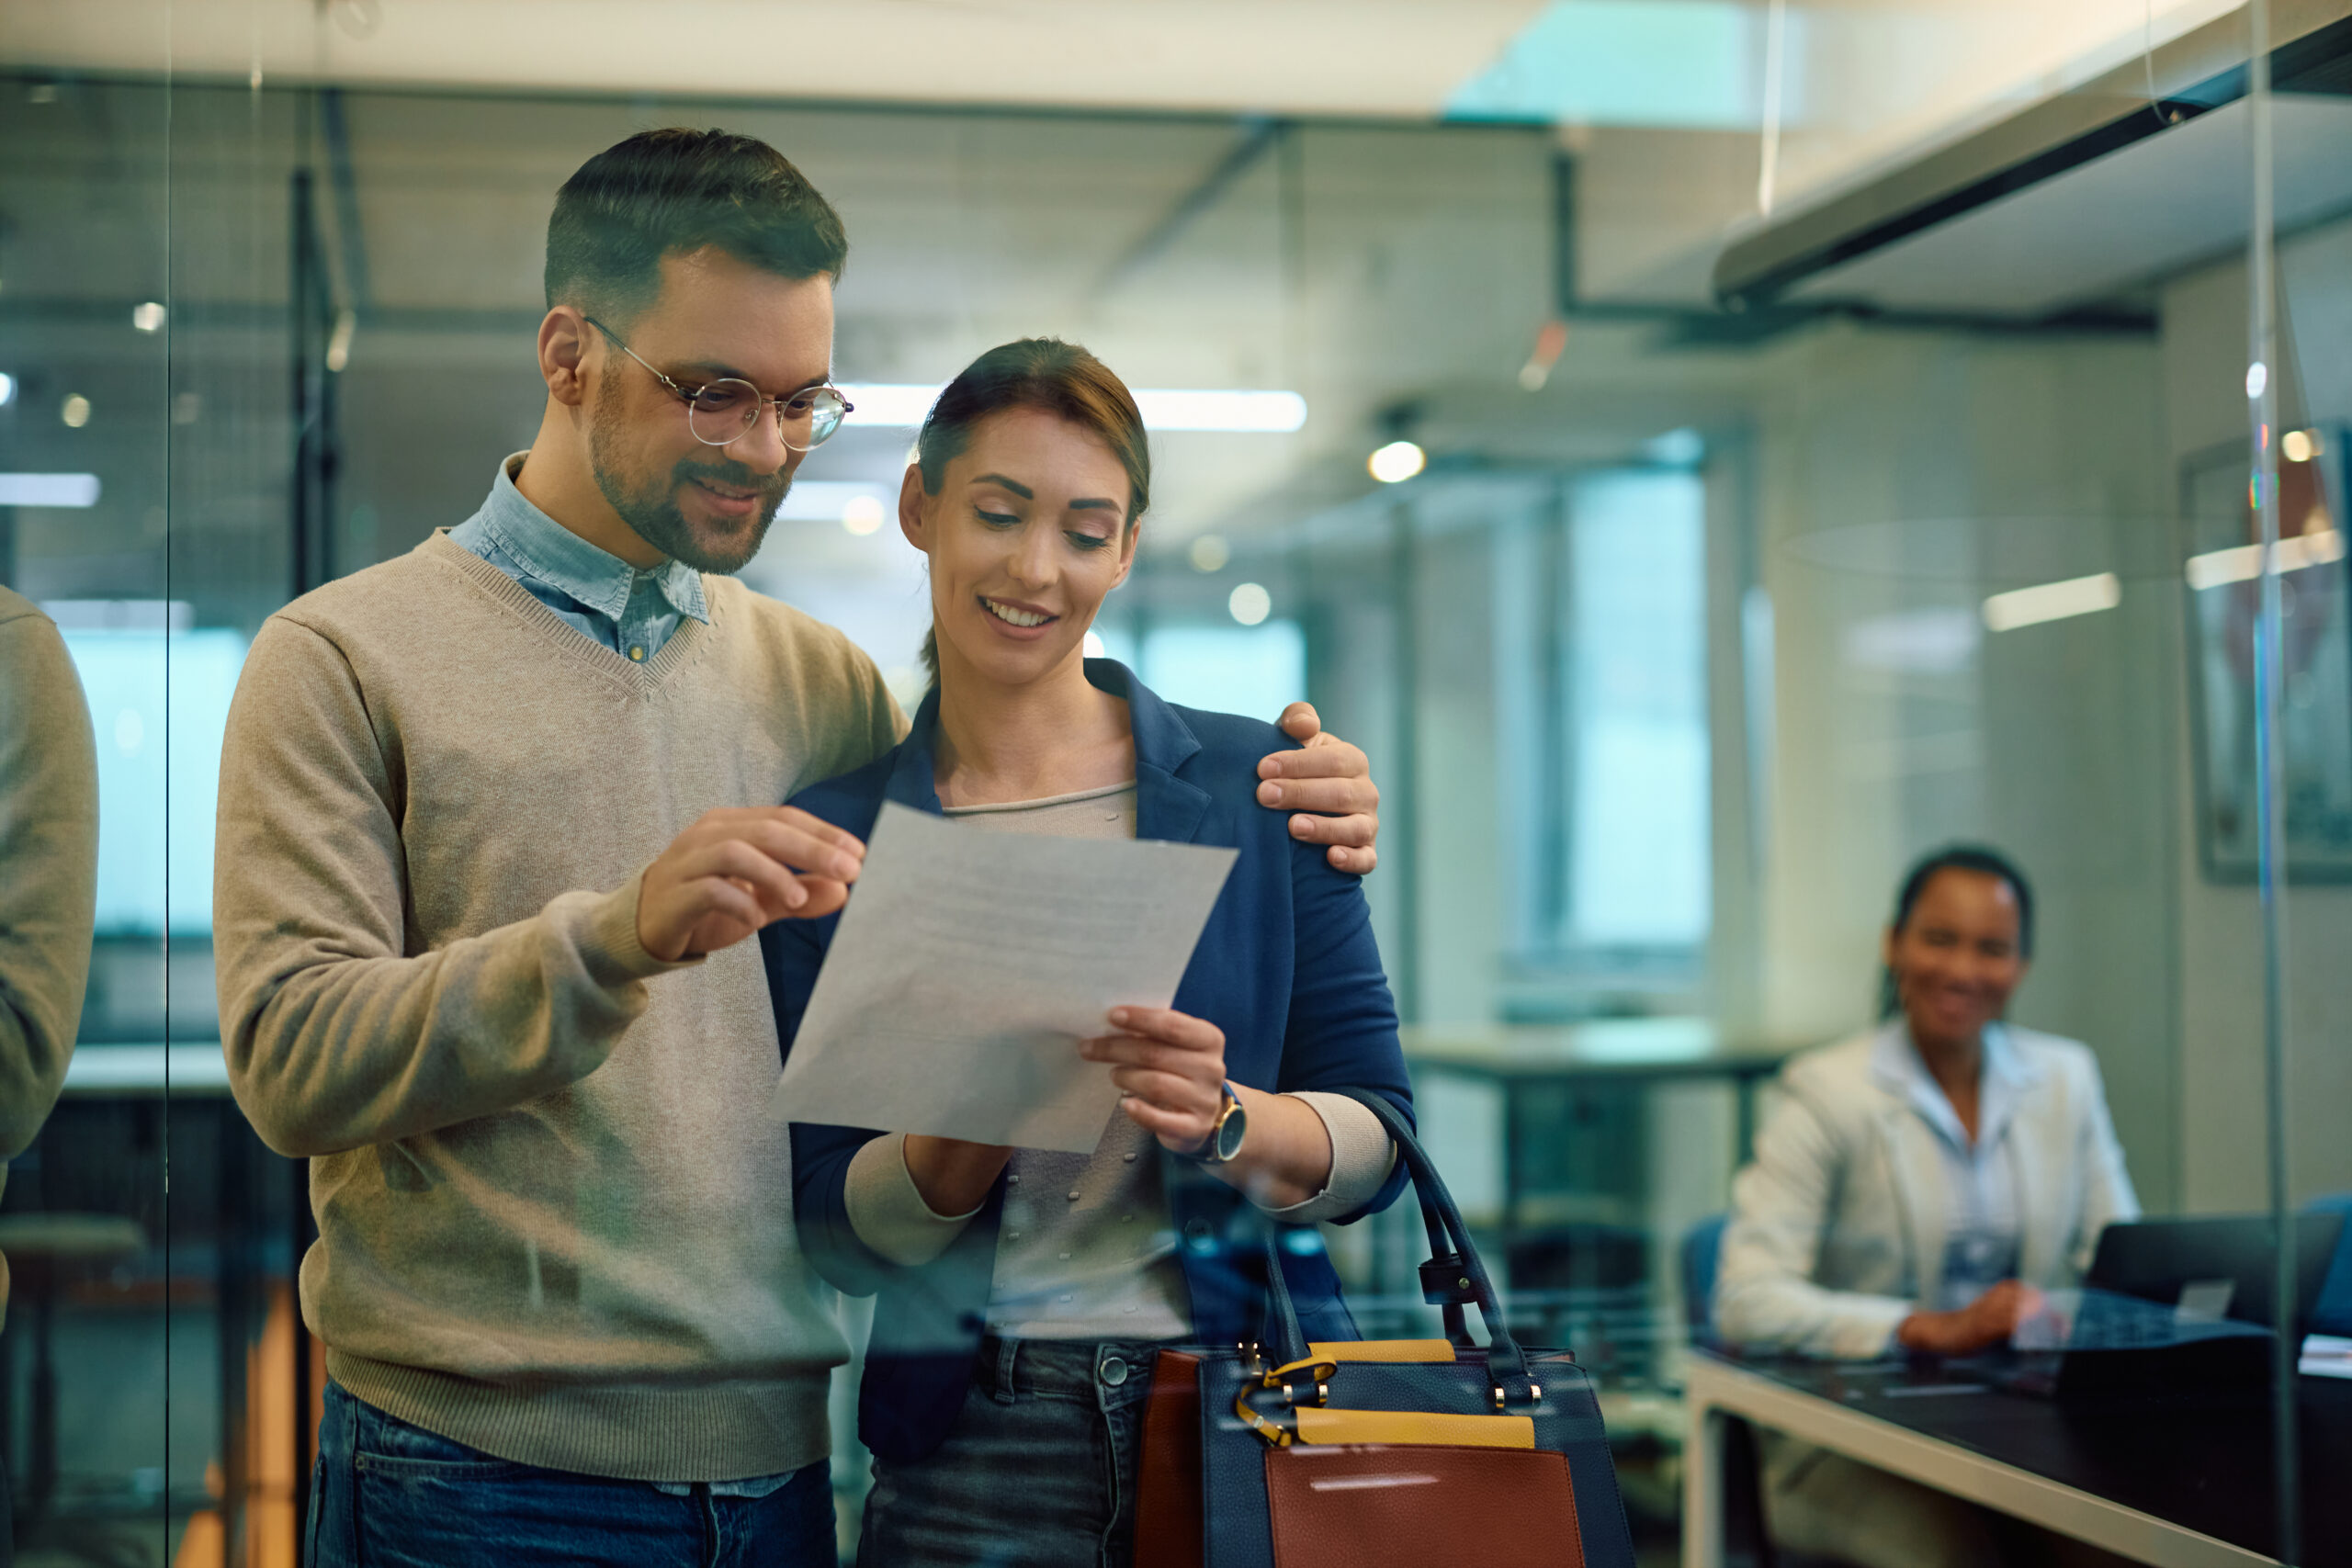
(664, 191)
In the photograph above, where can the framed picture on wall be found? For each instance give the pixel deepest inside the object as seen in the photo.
(2221, 577)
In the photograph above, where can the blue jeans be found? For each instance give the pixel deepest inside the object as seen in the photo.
(1039, 1470)
(387, 1495)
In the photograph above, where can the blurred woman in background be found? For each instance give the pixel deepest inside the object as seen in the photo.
(1916, 1188)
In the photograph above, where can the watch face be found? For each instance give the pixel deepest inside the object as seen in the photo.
(1229, 1131)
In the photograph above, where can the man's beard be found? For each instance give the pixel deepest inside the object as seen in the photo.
(652, 510)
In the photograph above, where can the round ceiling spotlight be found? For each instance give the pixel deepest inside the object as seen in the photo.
(1210, 552)
(74, 410)
(862, 515)
(1396, 462)
(1249, 604)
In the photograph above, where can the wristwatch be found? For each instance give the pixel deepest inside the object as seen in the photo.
(1226, 1135)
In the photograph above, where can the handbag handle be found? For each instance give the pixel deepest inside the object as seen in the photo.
(1505, 1359)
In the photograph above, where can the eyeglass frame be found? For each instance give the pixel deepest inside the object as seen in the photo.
(686, 395)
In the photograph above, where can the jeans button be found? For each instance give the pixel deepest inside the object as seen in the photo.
(1115, 1371)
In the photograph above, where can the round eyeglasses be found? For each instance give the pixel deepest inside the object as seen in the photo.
(720, 412)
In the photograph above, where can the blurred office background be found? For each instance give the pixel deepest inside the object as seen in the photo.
(1708, 453)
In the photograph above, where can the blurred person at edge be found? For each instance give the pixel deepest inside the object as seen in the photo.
(49, 883)
(496, 817)
(1918, 1189)
(1023, 1295)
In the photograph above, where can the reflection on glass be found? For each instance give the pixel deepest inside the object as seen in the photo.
(1948, 539)
(2224, 570)
(88, 1362)
(49, 854)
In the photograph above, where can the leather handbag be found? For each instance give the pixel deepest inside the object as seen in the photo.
(1397, 1454)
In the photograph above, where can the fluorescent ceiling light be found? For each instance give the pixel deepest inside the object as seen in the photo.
(1273, 413)
(1245, 411)
(2052, 602)
(2243, 564)
(877, 402)
(48, 489)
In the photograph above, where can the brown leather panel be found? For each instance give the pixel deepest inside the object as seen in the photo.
(1317, 1425)
(1169, 1503)
(1411, 1507)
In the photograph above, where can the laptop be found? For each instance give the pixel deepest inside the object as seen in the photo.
(2215, 1266)
(2175, 1305)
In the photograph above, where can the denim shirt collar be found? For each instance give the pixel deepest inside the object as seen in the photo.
(563, 559)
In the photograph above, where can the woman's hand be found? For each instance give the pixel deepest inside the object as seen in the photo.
(1987, 1321)
(1170, 1067)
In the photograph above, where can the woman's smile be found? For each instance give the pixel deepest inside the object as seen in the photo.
(1960, 1004)
(1017, 619)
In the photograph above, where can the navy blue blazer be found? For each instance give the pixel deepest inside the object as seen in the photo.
(1286, 967)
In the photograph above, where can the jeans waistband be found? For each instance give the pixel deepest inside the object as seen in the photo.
(1065, 1369)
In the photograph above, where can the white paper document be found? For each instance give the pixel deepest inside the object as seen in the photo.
(967, 966)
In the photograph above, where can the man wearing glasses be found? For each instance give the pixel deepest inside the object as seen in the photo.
(496, 820)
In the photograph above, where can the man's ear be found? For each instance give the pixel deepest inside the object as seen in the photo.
(911, 496)
(563, 353)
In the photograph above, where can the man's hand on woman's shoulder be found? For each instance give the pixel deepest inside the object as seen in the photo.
(1327, 788)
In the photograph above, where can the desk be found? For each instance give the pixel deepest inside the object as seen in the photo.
(1638, 1051)
(2181, 1483)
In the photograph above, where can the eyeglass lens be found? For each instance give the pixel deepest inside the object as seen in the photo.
(723, 411)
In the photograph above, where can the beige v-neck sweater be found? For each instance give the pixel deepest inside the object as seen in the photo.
(553, 1195)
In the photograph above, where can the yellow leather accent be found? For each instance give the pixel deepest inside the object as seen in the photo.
(1317, 1424)
(1384, 1351)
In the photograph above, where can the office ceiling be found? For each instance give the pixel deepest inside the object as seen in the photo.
(1326, 57)
(1392, 269)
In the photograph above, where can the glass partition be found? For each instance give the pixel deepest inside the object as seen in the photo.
(1705, 487)
(100, 884)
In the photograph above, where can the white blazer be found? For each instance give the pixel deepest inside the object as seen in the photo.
(1838, 1222)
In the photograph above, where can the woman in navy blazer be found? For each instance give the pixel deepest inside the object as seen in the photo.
(998, 1437)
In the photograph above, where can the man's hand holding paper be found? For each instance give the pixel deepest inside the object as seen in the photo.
(733, 871)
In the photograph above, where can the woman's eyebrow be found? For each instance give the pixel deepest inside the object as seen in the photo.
(1016, 486)
(1095, 502)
